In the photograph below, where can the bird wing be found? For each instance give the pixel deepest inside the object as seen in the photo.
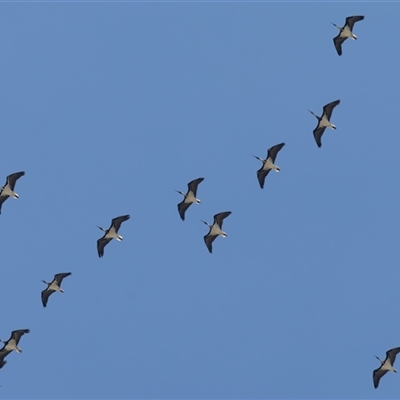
(392, 354)
(318, 132)
(261, 175)
(219, 218)
(45, 296)
(2, 200)
(182, 207)
(377, 375)
(116, 222)
(208, 239)
(11, 179)
(192, 185)
(328, 108)
(274, 150)
(59, 277)
(337, 41)
(16, 335)
(350, 21)
(3, 354)
(101, 243)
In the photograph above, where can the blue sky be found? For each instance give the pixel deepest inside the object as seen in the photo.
(110, 108)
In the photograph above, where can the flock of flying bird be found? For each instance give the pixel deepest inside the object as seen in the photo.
(189, 198)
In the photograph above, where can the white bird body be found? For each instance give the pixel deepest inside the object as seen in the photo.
(215, 229)
(189, 197)
(7, 190)
(268, 163)
(345, 32)
(12, 345)
(324, 121)
(386, 365)
(110, 233)
(53, 286)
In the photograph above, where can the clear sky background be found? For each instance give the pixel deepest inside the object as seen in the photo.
(110, 107)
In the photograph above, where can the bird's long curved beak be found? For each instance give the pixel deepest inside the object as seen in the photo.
(100, 228)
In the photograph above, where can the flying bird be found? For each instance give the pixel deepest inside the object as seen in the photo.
(189, 197)
(8, 189)
(345, 32)
(268, 163)
(215, 229)
(11, 344)
(53, 286)
(110, 233)
(386, 365)
(324, 121)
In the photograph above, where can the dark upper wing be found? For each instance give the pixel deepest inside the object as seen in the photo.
(350, 21)
(208, 239)
(59, 277)
(11, 179)
(116, 222)
(2, 200)
(392, 354)
(377, 375)
(328, 108)
(3, 354)
(16, 335)
(337, 41)
(2, 362)
(261, 175)
(101, 243)
(192, 185)
(274, 150)
(182, 207)
(318, 132)
(45, 296)
(219, 218)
